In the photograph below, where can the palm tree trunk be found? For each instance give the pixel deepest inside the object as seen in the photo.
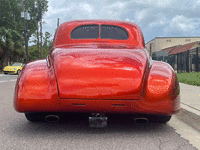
(38, 45)
(5, 57)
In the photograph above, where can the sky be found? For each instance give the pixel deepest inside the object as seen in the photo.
(156, 18)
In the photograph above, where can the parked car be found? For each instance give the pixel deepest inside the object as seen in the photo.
(15, 68)
(99, 67)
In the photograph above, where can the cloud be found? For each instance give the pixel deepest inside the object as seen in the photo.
(155, 17)
(88, 8)
(182, 25)
(113, 11)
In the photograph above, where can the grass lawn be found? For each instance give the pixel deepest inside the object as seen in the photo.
(192, 78)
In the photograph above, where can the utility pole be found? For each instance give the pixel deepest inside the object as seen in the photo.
(58, 23)
(26, 40)
(38, 41)
(24, 15)
(38, 38)
(41, 38)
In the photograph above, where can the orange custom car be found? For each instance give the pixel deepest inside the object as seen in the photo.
(99, 67)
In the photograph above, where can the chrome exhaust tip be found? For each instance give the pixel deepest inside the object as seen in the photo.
(141, 120)
(52, 118)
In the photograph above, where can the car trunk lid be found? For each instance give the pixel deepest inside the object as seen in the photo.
(88, 73)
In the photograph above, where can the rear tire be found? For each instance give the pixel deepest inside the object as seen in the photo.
(35, 117)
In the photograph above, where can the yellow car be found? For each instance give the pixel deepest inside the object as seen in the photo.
(14, 68)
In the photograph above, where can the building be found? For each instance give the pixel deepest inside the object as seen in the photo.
(181, 48)
(160, 43)
(187, 52)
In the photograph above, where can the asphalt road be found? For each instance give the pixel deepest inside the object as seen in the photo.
(16, 133)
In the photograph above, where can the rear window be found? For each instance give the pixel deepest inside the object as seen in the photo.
(85, 32)
(106, 32)
(113, 32)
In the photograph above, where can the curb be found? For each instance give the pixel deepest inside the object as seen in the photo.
(190, 109)
(190, 116)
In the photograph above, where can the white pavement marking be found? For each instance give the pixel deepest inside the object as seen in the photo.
(6, 75)
(9, 80)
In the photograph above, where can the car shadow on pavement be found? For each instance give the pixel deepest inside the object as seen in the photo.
(75, 131)
(80, 125)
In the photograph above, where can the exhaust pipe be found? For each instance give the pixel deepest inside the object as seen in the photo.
(141, 120)
(52, 118)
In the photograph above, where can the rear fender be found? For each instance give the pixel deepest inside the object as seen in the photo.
(35, 86)
(161, 91)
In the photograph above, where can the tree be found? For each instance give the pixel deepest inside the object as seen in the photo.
(36, 9)
(42, 7)
(9, 23)
(12, 25)
(9, 40)
(46, 46)
(33, 52)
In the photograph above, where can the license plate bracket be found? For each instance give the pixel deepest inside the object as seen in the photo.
(98, 122)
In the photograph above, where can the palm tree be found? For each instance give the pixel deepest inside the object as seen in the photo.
(9, 39)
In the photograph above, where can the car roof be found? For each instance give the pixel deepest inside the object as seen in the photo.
(100, 21)
(62, 35)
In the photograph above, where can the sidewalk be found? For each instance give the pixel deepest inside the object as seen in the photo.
(190, 98)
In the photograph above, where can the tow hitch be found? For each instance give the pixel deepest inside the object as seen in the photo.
(98, 120)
